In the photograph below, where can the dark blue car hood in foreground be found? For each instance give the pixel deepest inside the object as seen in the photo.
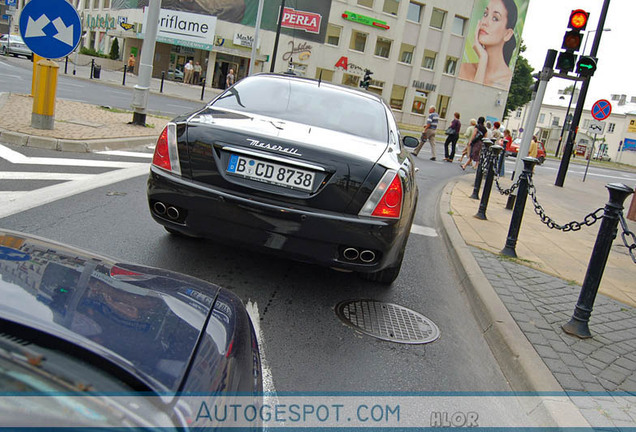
(147, 321)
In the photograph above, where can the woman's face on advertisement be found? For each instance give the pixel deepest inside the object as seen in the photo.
(492, 26)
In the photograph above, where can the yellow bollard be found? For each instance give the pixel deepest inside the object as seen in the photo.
(35, 59)
(43, 115)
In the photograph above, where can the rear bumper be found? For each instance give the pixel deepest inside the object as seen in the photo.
(301, 234)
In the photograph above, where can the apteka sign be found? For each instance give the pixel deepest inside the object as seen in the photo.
(185, 29)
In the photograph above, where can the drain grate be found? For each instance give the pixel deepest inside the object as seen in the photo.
(387, 321)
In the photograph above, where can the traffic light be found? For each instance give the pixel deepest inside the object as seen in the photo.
(586, 66)
(572, 40)
(366, 80)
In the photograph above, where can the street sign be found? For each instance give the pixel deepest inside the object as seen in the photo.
(601, 109)
(596, 127)
(51, 28)
(11, 2)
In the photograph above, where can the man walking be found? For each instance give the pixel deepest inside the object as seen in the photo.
(187, 74)
(428, 134)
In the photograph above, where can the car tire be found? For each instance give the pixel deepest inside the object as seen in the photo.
(384, 277)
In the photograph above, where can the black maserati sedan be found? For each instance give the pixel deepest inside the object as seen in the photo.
(314, 171)
(90, 342)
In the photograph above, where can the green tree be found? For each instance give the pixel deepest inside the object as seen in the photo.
(114, 50)
(521, 85)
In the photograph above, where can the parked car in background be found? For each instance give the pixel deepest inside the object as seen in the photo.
(14, 45)
(74, 322)
(513, 149)
(311, 170)
(175, 74)
(601, 155)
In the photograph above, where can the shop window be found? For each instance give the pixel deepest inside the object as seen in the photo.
(451, 65)
(437, 18)
(442, 105)
(428, 62)
(459, 25)
(324, 74)
(419, 103)
(366, 3)
(383, 47)
(406, 53)
(351, 80)
(358, 41)
(415, 12)
(391, 6)
(333, 35)
(397, 97)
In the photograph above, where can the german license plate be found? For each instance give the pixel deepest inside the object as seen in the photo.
(269, 172)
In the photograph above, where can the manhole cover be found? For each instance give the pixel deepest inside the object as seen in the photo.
(387, 321)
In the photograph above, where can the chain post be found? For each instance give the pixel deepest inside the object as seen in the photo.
(490, 174)
(631, 248)
(520, 204)
(578, 324)
(479, 174)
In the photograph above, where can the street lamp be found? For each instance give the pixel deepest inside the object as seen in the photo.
(587, 33)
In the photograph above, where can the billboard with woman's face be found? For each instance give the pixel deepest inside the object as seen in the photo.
(492, 42)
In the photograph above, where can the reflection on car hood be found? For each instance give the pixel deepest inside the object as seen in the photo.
(145, 320)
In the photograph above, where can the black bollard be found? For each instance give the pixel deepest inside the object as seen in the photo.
(66, 65)
(490, 174)
(163, 76)
(578, 324)
(480, 174)
(123, 80)
(202, 88)
(520, 204)
(92, 68)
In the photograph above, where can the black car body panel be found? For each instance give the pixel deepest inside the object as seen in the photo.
(156, 330)
(345, 152)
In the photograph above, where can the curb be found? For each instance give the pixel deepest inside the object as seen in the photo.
(519, 362)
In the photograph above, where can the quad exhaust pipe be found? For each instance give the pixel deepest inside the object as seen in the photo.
(353, 254)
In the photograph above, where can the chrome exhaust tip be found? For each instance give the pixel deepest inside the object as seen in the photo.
(351, 254)
(172, 213)
(367, 256)
(160, 208)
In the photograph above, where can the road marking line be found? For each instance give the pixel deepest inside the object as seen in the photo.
(268, 382)
(126, 153)
(42, 176)
(423, 230)
(18, 158)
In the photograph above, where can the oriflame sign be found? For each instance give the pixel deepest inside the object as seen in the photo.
(307, 21)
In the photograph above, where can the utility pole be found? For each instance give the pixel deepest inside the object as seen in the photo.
(569, 144)
(259, 16)
(280, 23)
(142, 88)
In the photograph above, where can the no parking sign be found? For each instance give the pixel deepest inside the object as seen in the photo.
(601, 109)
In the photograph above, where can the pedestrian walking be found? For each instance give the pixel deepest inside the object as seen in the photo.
(229, 79)
(188, 71)
(452, 138)
(476, 143)
(534, 148)
(468, 135)
(428, 134)
(197, 73)
(506, 141)
(131, 63)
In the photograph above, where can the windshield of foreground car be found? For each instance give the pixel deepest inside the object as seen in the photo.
(307, 103)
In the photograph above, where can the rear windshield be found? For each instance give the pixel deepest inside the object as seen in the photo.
(305, 102)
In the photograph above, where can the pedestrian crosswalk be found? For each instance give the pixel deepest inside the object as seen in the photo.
(30, 181)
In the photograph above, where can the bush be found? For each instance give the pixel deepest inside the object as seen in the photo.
(92, 52)
(114, 50)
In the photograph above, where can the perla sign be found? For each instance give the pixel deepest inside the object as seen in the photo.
(184, 29)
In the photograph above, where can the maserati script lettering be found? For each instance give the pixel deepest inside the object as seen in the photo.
(276, 147)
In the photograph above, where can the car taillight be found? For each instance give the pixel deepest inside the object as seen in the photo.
(386, 199)
(166, 153)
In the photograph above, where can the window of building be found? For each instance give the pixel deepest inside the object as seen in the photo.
(437, 18)
(376, 87)
(415, 12)
(555, 121)
(428, 62)
(333, 35)
(419, 103)
(459, 25)
(397, 97)
(391, 6)
(324, 74)
(586, 123)
(383, 47)
(541, 118)
(442, 105)
(95, 4)
(519, 111)
(358, 41)
(106, 4)
(406, 53)
(351, 80)
(610, 127)
(451, 65)
(366, 3)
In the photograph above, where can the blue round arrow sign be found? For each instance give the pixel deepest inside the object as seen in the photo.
(50, 28)
(9, 254)
(601, 109)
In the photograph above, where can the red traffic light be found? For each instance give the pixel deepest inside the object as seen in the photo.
(578, 19)
(572, 40)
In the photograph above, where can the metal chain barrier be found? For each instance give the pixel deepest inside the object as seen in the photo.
(501, 190)
(589, 220)
(625, 234)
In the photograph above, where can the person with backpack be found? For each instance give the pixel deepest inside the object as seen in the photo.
(476, 143)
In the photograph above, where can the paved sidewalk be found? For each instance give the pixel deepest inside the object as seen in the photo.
(522, 303)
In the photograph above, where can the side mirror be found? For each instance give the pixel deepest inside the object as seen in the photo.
(410, 142)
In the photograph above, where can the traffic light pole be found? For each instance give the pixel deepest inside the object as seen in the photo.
(569, 143)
